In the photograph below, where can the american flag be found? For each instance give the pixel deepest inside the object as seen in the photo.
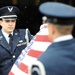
(34, 49)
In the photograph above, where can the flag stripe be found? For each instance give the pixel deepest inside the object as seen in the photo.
(17, 71)
(23, 67)
(43, 31)
(34, 53)
(42, 38)
(40, 46)
(11, 73)
(28, 60)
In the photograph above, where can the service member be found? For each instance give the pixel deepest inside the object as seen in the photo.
(10, 49)
(59, 58)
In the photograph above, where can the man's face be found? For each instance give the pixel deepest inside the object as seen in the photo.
(8, 25)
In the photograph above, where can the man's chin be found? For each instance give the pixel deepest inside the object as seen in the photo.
(10, 31)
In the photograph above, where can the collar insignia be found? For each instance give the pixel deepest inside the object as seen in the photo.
(16, 33)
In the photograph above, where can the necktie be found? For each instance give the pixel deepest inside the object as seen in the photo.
(10, 40)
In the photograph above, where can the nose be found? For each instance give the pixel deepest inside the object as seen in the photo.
(10, 22)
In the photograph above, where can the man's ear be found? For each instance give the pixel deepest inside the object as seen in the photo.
(51, 29)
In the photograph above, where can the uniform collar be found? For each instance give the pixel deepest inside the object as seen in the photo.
(63, 38)
(6, 35)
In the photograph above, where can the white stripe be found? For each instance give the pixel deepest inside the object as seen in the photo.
(43, 32)
(17, 71)
(40, 46)
(28, 60)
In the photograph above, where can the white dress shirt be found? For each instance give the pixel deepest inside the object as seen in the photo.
(6, 35)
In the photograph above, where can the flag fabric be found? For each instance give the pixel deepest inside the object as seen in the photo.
(34, 49)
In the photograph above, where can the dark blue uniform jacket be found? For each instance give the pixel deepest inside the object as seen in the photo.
(8, 55)
(59, 58)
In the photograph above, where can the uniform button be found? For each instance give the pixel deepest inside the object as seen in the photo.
(13, 56)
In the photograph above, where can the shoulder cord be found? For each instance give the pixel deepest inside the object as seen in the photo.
(26, 36)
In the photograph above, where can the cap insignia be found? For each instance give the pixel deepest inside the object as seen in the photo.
(10, 9)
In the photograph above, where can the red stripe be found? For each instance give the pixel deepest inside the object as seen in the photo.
(34, 53)
(10, 73)
(23, 68)
(43, 38)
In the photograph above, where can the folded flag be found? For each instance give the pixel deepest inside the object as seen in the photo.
(34, 49)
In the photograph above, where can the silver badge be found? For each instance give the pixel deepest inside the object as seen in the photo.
(10, 9)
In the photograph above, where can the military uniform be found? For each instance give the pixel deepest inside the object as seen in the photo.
(59, 58)
(9, 55)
